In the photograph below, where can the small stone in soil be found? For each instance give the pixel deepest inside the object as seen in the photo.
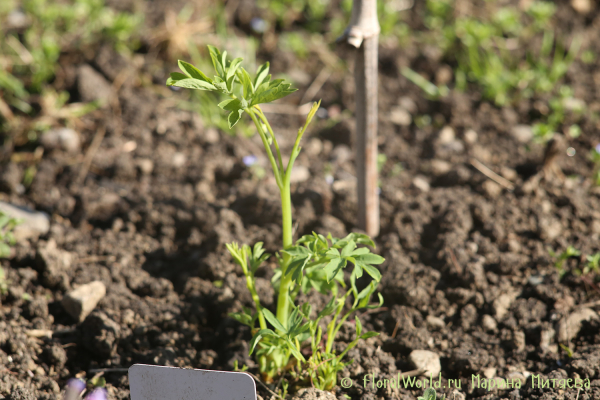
(33, 223)
(435, 323)
(491, 189)
(470, 136)
(569, 327)
(426, 360)
(489, 323)
(522, 133)
(421, 183)
(313, 394)
(80, 302)
(440, 167)
(446, 135)
(299, 174)
(400, 116)
(61, 138)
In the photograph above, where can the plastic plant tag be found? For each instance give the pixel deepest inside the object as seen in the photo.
(150, 382)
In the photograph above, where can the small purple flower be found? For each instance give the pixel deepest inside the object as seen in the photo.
(249, 160)
(97, 394)
(329, 179)
(598, 148)
(258, 25)
(322, 113)
(74, 388)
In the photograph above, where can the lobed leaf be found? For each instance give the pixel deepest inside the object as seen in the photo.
(192, 71)
(333, 267)
(261, 74)
(274, 92)
(190, 83)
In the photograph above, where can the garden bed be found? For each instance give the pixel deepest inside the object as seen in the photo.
(468, 274)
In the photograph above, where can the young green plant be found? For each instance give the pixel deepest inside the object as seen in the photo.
(7, 239)
(282, 339)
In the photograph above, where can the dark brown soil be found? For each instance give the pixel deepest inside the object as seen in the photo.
(152, 224)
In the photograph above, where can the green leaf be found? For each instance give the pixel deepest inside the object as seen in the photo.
(374, 272)
(4, 250)
(370, 258)
(274, 92)
(297, 251)
(348, 249)
(306, 309)
(224, 63)
(192, 71)
(333, 253)
(233, 66)
(259, 335)
(214, 55)
(368, 335)
(360, 238)
(243, 318)
(358, 326)
(177, 76)
(365, 295)
(273, 320)
(190, 83)
(248, 88)
(261, 74)
(296, 268)
(429, 394)
(357, 273)
(234, 117)
(235, 252)
(230, 105)
(360, 251)
(295, 351)
(333, 267)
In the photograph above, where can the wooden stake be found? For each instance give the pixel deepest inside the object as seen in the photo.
(363, 33)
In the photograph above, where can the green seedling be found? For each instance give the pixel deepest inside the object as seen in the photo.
(429, 394)
(3, 282)
(595, 157)
(489, 52)
(7, 239)
(567, 350)
(29, 54)
(433, 91)
(562, 257)
(591, 267)
(293, 338)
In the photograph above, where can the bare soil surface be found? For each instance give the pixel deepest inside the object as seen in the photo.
(467, 274)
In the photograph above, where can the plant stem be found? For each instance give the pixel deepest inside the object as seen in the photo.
(263, 117)
(283, 177)
(283, 305)
(278, 173)
(254, 294)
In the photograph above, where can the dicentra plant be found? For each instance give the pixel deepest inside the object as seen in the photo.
(295, 339)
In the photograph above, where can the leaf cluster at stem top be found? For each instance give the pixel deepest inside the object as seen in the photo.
(233, 80)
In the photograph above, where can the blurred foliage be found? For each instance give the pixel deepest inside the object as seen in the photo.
(34, 34)
(330, 17)
(7, 239)
(489, 51)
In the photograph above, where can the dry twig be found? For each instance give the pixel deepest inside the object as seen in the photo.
(492, 175)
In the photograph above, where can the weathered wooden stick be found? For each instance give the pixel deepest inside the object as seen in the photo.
(363, 33)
